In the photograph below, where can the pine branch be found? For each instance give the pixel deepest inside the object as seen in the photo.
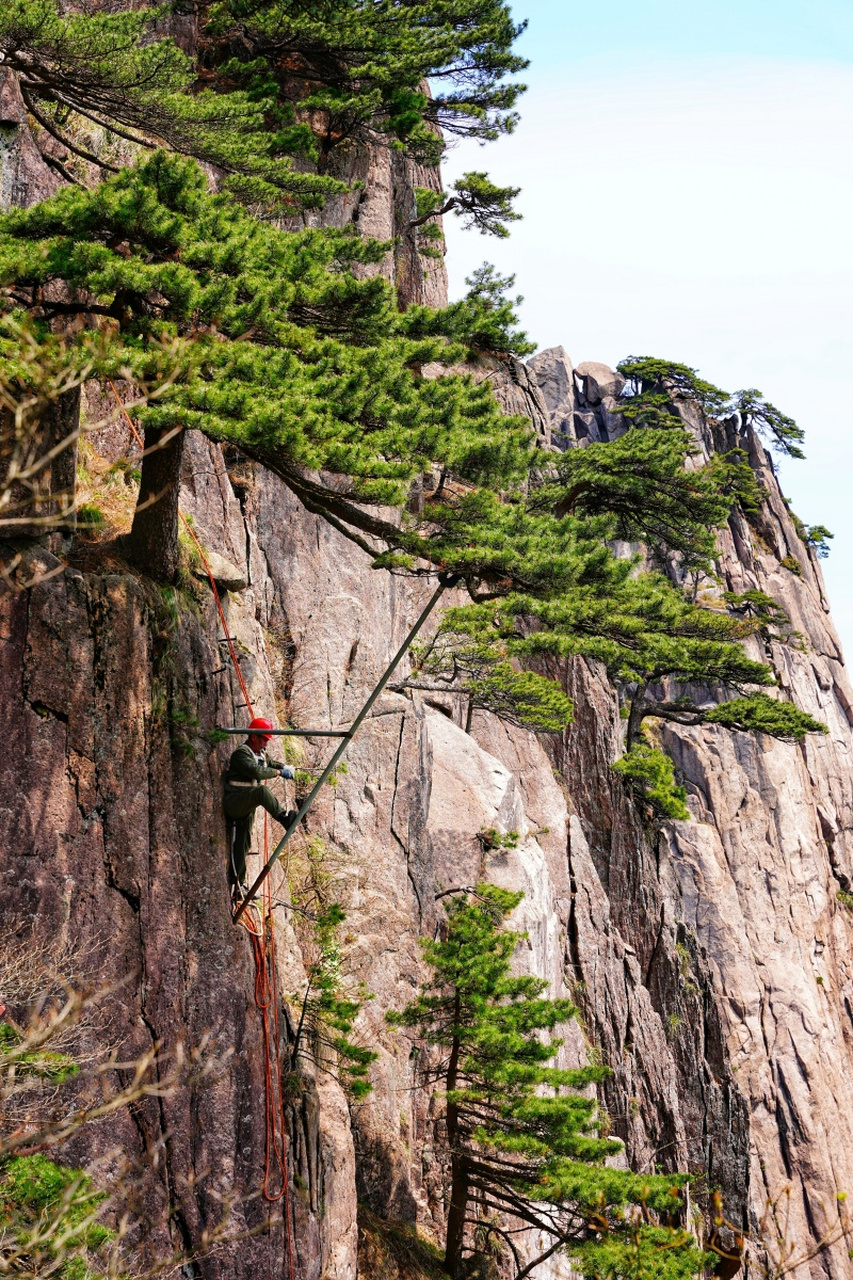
(60, 137)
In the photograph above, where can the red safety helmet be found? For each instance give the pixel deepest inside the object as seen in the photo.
(259, 728)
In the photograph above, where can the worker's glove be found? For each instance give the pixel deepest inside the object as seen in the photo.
(287, 771)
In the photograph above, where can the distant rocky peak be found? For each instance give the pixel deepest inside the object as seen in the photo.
(581, 400)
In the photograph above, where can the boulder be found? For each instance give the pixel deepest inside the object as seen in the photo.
(552, 370)
(612, 421)
(225, 574)
(598, 381)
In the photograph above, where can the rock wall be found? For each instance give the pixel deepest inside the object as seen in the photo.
(744, 928)
(709, 958)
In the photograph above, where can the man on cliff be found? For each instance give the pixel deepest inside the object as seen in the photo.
(248, 767)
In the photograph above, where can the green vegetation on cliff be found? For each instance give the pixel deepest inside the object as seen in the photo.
(314, 372)
(525, 1137)
(270, 83)
(290, 346)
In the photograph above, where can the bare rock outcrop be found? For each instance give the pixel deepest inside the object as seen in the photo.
(710, 960)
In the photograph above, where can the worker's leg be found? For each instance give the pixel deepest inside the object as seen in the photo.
(243, 803)
(267, 801)
(240, 839)
(240, 810)
(240, 807)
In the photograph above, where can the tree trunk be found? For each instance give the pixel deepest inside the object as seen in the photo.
(458, 1166)
(152, 543)
(635, 717)
(456, 1215)
(64, 423)
(45, 496)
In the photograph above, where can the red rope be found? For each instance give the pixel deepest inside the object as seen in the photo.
(234, 659)
(266, 999)
(127, 416)
(200, 550)
(262, 932)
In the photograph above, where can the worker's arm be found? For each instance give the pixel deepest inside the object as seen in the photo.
(244, 767)
(280, 769)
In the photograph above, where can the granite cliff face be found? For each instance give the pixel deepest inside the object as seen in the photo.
(710, 959)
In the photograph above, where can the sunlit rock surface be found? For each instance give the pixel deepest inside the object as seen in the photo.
(709, 959)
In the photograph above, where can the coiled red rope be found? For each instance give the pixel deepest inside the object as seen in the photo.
(260, 928)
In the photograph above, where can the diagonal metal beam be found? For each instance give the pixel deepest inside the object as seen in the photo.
(445, 580)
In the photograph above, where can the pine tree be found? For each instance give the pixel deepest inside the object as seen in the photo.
(272, 82)
(96, 80)
(317, 375)
(785, 435)
(525, 1143)
(655, 380)
(362, 66)
(475, 200)
(287, 354)
(655, 383)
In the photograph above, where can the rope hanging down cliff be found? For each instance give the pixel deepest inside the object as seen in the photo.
(259, 925)
(445, 580)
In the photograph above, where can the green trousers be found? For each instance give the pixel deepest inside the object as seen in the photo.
(240, 806)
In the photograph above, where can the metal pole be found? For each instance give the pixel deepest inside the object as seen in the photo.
(290, 733)
(444, 581)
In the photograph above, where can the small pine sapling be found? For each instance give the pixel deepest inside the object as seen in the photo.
(818, 537)
(650, 774)
(327, 1015)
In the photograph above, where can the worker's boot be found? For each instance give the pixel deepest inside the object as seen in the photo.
(287, 817)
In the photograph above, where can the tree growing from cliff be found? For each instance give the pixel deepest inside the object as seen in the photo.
(525, 1144)
(96, 81)
(456, 662)
(374, 69)
(317, 375)
(268, 82)
(475, 200)
(288, 354)
(656, 383)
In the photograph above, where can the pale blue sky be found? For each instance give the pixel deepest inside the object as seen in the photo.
(688, 193)
(819, 29)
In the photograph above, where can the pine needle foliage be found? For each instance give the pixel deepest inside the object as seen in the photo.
(119, 74)
(291, 357)
(475, 200)
(454, 662)
(289, 352)
(651, 775)
(654, 383)
(818, 537)
(327, 1014)
(361, 66)
(650, 1253)
(273, 82)
(761, 713)
(652, 377)
(525, 1142)
(769, 421)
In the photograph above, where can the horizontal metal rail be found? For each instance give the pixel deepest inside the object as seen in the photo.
(290, 733)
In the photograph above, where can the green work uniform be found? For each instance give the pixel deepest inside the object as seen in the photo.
(244, 793)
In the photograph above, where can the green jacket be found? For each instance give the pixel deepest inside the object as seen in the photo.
(245, 768)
